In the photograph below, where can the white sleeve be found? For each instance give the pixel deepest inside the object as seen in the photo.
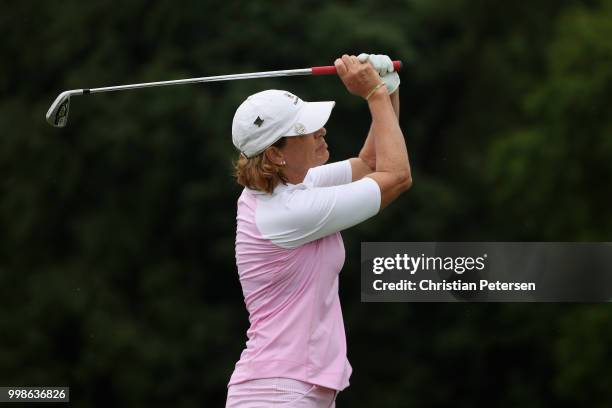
(308, 214)
(333, 174)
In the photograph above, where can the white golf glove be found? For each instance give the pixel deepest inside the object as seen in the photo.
(384, 66)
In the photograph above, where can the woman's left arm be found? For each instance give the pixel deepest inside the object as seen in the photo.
(365, 163)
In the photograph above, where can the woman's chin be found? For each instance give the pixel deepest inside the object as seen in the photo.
(323, 157)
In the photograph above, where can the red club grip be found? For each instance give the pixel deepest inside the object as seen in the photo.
(331, 70)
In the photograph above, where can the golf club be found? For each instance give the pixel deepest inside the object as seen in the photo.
(57, 115)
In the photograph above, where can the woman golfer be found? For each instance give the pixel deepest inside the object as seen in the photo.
(289, 251)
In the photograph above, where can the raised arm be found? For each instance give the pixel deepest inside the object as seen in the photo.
(365, 163)
(392, 167)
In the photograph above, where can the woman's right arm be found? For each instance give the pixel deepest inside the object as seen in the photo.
(392, 173)
(365, 163)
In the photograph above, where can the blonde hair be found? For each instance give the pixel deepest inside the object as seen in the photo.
(258, 172)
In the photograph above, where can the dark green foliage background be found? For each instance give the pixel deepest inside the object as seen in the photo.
(117, 272)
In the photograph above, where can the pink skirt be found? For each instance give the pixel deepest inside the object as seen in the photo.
(279, 392)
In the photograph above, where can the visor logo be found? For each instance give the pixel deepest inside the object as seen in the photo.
(299, 129)
(292, 96)
(258, 122)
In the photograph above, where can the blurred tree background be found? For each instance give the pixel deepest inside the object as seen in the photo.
(117, 272)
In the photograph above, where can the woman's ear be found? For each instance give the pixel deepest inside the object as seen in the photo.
(274, 155)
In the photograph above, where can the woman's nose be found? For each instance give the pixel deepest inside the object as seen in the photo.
(320, 133)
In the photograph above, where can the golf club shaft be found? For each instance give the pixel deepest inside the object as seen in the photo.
(57, 115)
(324, 70)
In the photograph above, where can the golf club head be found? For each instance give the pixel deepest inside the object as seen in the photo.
(57, 115)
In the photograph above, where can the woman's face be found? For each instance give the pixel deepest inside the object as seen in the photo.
(304, 152)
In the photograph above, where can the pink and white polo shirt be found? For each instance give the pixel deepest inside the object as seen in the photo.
(289, 253)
